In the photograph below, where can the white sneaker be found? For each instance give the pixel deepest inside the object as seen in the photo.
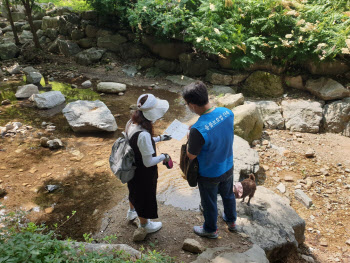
(131, 215)
(152, 227)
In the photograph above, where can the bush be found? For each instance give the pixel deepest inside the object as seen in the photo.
(23, 242)
(249, 30)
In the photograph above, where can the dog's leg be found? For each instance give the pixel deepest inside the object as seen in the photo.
(243, 200)
(249, 200)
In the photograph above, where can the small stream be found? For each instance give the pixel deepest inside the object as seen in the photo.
(120, 106)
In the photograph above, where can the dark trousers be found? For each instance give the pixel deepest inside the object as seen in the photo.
(209, 192)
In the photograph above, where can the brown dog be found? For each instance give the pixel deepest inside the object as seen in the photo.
(245, 188)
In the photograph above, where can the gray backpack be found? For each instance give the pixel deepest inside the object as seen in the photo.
(122, 159)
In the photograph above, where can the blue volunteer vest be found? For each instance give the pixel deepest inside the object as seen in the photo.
(216, 156)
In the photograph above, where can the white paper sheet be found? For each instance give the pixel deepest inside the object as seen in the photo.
(177, 130)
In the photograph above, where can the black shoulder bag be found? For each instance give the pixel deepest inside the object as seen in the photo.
(190, 168)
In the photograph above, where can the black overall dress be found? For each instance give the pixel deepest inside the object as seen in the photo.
(143, 187)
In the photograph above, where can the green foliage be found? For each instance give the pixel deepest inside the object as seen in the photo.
(77, 5)
(27, 242)
(249, 30)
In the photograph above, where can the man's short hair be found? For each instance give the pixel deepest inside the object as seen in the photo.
(196, 93)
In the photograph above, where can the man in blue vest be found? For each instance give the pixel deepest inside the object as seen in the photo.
(210, 141)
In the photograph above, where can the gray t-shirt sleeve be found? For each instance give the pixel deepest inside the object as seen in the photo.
(195, 142)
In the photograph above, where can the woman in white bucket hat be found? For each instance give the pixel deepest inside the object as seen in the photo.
(143, 187)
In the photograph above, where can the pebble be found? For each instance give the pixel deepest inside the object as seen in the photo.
(324, 243)
(289, 179)
(282, 188)
(310, 153)
(347, 170)
(193, 246)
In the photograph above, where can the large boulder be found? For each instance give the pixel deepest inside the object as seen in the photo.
(336, 117)
(327, 68)
(263, 84)
(271, 223)
(246, 159)
(271, 114)
(111, 87)
(51, 33)
(327, 89)
(218, 77)
(231, 100)
(91, 31)
(68, 48)
(89, 56)
(111, 42)
(26, 91)
(89, 116)
(167, 50)
(193, 64)
(302, 115)
(48, 100)
(8, 51)
(247, 122)
(50, 22)
(87, 42)
(168, 66)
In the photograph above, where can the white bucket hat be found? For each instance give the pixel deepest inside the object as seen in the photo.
(153, 108)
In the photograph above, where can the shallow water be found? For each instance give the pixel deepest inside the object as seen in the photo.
(23, 110)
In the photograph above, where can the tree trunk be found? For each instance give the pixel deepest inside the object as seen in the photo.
(11, 22)
(28, 8)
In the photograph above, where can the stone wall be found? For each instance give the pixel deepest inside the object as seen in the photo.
(91, 38)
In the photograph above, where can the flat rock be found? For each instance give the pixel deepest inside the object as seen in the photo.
(261, 221)
(180, 80)
(282, 188)
(111, 87)
(26, 91)
(87, 116)
(192, 245)
(302, 115)
(231, 100)
(48, 100)
(327, 89)
(139, 234)
(303, 198)
(226, 255)
(270, 112)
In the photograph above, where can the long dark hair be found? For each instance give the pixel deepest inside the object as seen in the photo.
(138, 118)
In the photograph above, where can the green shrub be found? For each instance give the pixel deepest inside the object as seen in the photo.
(249, 30)
(26, 242)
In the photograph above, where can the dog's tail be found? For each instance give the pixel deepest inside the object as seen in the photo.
(252, 177)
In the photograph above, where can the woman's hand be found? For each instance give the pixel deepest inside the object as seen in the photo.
(165, 137)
